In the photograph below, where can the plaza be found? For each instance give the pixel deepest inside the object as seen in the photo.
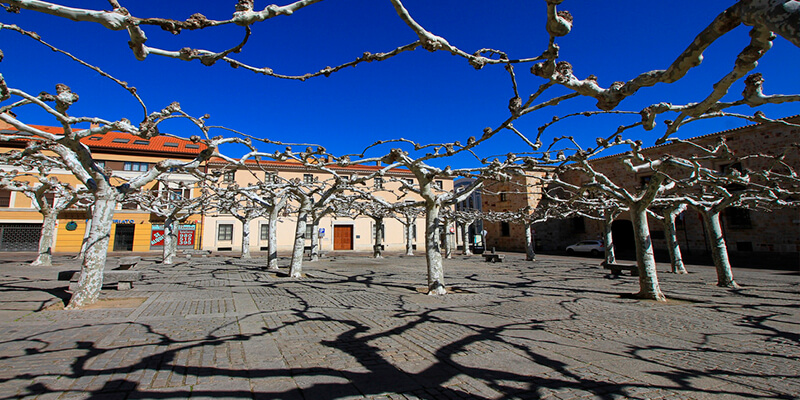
(357, 327)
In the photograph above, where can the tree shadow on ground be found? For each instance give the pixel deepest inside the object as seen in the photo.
(448, 354)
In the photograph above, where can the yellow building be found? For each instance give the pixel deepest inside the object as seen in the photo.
(134, 229)
(138, 230)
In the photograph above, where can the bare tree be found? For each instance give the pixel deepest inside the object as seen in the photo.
(174, 203)
(236, 201)
(77, 158)
(377, 211)
(406, 213)
(49, 195)
(667, 214)
(464, 219)
(770, 181)
(636, 200)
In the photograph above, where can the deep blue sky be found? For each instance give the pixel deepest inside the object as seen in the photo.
(428, 97)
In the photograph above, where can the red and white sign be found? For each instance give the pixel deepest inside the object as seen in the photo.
(185, 236)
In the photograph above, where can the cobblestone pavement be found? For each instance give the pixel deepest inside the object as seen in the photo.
(355, 327)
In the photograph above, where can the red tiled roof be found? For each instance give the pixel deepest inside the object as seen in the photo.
(126, 142)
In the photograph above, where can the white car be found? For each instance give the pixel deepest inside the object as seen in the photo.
(593, 247)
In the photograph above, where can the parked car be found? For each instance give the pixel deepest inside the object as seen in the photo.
(593, 247)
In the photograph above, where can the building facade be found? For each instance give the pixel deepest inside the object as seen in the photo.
(223, 232)
(748, 233)
(133, 229)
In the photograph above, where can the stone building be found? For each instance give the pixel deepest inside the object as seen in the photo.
(749, 234)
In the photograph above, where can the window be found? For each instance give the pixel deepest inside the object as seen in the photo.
(95, 138)
(308, 232)
(265, 232)
(229, 176)
(438, 184)
(192, 146)
(5, 198)
(737, 218)
(414, 232)
(178, 194)
(100, 164)
(308, 178)
(170, 144)
(503, 196)
(410, 182)
(225, 232)
(134, 166)
(130, 205)
(142, 142)
(378, 183)
(120, 140)
(644, 181)
(505, 229)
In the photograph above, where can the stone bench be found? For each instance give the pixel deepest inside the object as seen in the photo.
(124, 279)
(307, 252)
(493, 258)
(125, 263)
(616, 269)
(191, 252)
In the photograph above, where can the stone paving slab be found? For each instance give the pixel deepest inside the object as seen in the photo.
(356, 328)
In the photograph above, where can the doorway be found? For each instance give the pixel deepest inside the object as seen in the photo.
(123, 237)
(343, 237)
(622, 233)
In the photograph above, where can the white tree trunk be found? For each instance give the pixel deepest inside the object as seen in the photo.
(465, 239)
(409, 227)
(530, 249)
(47, 239)
(377, 247)
(245, 238)
(719, 251)
(448, 240)
(675, 256)
(272, 255)
(315, 240)
(88, 228)
(608, 238)
(645, 260)
(296, 266)
(433, 250)
(170, 242)
(91, 280)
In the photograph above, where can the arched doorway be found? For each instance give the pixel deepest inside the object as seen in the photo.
(622, 234)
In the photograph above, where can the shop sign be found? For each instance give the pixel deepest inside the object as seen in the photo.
(185, 236)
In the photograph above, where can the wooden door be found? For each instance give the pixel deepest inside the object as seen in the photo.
(343, 237)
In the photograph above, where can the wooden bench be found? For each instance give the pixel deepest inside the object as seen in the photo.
(124, 279)
(616, 269)
(493, 258)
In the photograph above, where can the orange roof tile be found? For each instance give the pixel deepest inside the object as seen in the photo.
(126, 142)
